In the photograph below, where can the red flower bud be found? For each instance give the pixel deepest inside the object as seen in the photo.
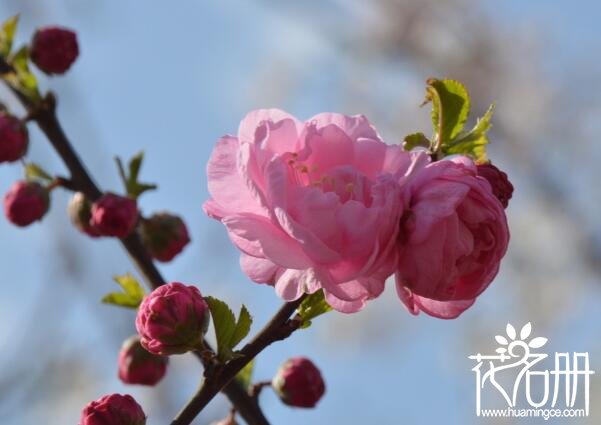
(114, 409)
(114, 215)
(173, 319)
(80, 211)
(54, 49)
(13, 138)
(298, 382)
(138, 366)
(26, 202)
(164, 236)
(501, 186)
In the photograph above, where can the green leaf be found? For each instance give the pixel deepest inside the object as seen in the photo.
(133, 187)
(34, 172)
(22, 79)
(450, 108)
(243, 325)
(132, 295)
(414, 140)
(7, 35)
(228, 331)
(474, 142)
(245, 376)
(311, 307)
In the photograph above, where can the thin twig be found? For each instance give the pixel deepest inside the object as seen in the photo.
(44, 114)
(278, 328)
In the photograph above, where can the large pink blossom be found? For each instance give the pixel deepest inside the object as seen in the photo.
(453, 235)
(311, 205)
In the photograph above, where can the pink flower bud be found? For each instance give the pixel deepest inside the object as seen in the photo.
(80, 211)
(164, 236)
(54, 49)
(25, 203)
(114, 409)
(114, 215)
(501, 186)
(13, 138)
(298, 382)
(138, 366)
(173, 319)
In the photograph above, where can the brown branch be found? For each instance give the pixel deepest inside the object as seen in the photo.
(44, 114)
(278, 328)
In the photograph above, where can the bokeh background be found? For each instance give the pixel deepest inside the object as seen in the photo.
(171, 77)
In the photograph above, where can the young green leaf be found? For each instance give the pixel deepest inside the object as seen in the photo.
(7, 34)
(132, 294)
(474, 142)
(311, 307)
(22, 79)
(242, 326)
(414, 140)
(133, 187)
(224, 323)
(34, 172)
(245, 376)
(228, 331)
(450, 108)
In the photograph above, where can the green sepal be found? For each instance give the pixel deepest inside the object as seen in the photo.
(312, 306)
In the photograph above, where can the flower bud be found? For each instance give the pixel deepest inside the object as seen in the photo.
(298, 383)
(138, 366)
(26, 202)
(501, 186)
(54, 49)
(14, 138)
(164, 236)
(173, 319)
(114, 215)
(80, 212)
(114, 409)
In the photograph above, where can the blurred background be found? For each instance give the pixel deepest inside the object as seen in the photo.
(170, 79)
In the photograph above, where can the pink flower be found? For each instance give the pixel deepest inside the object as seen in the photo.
(173, 319)
(138, 366)
(298, 382)
(311, 205)
(80, 212)
(26, 202)
(14, 138)
(454, 234)
(54, 49)
(164, 235)
(114, 215)
(114, 409)
(501, 186)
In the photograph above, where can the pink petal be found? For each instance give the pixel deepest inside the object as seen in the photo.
(313, 247)
(259, 237)
(253, 120)
(259, 270)
(355, 126)
(226, 184)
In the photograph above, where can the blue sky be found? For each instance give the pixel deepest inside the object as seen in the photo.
(171, 80)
